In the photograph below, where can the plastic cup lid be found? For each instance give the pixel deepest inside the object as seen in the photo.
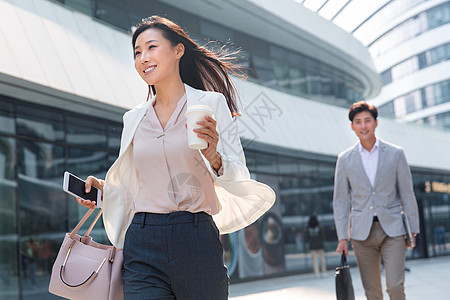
(199, 107)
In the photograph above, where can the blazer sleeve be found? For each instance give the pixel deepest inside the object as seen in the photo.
(341, 200)
(406, 193)
(229, 146)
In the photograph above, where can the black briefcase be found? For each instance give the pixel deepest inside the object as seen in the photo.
(344, 286)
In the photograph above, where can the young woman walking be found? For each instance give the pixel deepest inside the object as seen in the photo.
(164, 203)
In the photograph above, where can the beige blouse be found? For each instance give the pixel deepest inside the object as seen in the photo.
(171, 176)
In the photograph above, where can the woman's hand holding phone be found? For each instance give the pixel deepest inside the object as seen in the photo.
(91, 181)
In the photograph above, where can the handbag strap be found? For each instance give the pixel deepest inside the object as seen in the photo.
(86, 216)
(83, 220)
(88, 232)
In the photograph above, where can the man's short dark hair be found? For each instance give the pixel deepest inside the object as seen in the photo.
(361, 106)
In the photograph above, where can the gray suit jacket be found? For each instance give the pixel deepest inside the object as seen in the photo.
(355, 200)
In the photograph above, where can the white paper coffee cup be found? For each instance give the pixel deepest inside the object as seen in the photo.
(194, 114)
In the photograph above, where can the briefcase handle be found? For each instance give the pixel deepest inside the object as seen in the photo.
(343, 260)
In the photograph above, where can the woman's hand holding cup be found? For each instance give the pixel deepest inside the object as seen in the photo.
(202, 133)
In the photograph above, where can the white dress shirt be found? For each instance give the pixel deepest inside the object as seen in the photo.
(370, 160)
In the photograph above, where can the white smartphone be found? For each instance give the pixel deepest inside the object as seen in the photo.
(76, 187)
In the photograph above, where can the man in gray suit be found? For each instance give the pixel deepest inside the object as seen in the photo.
(372, 187)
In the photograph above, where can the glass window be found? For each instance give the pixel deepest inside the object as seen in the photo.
(114, 135)
(434, 17)
(405, 68)
(438, 15)
(6, 118)
(287, 165)
(38, 123)
(429, 96)
(314, 83)
(298, 80)
(422, 98)
(442, 92)
(413, 102)
(282, 74)
(85, 132)
(386, 77)
(443, 120)
(327, 87)
(42, 211)
(387, 110)
(83, 6)
(263, 70)
(84, 162)
(8, 233)
(216, 31)
(423, 60)
(113, 14)
(266, 163)
(438, 54)
(400, 107)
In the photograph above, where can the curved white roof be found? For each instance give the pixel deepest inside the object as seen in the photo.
(290, 25)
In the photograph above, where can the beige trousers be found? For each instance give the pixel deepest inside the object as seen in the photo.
(368, 256)
(315, 254)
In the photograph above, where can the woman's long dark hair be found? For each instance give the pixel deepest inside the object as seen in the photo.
(199, 67)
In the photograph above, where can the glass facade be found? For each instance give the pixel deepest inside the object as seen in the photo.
(440, 120)
(37, 144)
(418, 62)
(267, 64)
(411, 28)
(428, 96)
(35, 212)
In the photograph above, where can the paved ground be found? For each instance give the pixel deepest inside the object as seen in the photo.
(427, 279)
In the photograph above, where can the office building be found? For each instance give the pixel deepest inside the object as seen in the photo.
(67, 77)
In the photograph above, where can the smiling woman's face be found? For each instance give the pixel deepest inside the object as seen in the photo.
(155, 59)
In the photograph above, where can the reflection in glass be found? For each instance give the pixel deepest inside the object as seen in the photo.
(42, 212)
(113, 14)
(6, 118)
(40, 124)
(114, 134)
(85, 132)
(9, 281)
(85, 6)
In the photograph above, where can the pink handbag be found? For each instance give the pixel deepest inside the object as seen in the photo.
(85, 269)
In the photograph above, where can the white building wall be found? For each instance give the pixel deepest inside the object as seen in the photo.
(50, 45)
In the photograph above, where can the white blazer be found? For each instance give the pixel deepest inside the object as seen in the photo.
(242, 199)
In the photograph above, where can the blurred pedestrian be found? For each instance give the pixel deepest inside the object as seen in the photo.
(316, 239)
(32, 250)
(160, 195)
(439, 235)
(372, 186)
(5, 263)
